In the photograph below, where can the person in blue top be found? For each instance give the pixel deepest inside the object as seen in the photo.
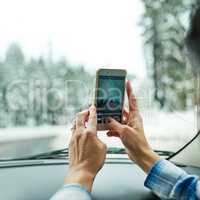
(87, 153)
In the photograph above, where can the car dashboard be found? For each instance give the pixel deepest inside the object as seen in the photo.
(40, 179)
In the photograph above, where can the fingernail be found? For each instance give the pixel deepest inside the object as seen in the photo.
(92, 106)
(108, 120)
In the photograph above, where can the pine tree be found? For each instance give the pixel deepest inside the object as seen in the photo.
(164, 32)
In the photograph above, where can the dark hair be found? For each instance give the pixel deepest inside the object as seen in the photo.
(194, 31)
(193, 39)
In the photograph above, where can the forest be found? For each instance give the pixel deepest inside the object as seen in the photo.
(40, 91)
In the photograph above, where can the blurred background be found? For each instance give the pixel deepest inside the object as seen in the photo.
(50, 51)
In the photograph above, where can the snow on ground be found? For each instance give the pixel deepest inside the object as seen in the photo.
(166, 131)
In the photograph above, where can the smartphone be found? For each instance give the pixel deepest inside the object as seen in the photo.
(109, 95)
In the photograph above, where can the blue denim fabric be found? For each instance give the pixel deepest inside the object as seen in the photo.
(170, 182)
(72, 192)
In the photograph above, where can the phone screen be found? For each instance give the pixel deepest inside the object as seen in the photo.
(110, 97)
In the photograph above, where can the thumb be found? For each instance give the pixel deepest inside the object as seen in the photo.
(114, 126)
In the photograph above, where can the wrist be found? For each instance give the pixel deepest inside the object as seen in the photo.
(146, 159)
(82, 177)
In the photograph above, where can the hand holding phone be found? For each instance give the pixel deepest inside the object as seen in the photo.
(109, 95)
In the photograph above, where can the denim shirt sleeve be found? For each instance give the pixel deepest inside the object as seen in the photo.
(72, 192)
(170, 182)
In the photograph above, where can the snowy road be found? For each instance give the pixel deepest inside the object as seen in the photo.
(164, 131)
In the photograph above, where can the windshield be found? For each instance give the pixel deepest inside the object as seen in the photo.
(49, 54)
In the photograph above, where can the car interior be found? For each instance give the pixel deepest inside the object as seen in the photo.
(40, 178)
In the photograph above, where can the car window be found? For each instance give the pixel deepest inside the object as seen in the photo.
(50, 51)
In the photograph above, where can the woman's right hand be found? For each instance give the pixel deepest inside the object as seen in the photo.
(131, 132)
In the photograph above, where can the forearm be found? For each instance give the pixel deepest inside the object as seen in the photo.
(78, 186)
(80, 177)
(146, 158)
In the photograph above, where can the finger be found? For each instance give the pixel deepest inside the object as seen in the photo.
(89, 105)
(81, 119)
(92, 122)
(131, 97)
(125, 116)
(114, 125)
(125, 112)
(133, 109)
(73, 128)
(112, 134)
